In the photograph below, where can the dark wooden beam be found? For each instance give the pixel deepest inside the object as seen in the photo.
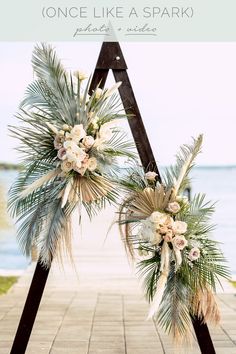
(111, 57)
(203, 336)
(30, 310)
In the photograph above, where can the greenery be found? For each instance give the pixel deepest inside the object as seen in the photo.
(179, 267)
(6, 283)
(57, 110)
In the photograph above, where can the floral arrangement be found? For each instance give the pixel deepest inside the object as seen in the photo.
(70, 145)
(168, 236)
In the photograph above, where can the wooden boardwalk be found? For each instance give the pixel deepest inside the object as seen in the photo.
(99, 308)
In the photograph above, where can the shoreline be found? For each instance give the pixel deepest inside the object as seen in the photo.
(228, 287)
(12, 272)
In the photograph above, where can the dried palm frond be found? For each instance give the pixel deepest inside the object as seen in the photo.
(180, 263)
(205, 307)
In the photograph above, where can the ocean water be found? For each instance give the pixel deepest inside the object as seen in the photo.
(219, 184)
(11, 258)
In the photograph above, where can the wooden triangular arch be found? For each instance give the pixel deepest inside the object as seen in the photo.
(110, 57)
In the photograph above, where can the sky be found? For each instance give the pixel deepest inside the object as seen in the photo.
(182, 89)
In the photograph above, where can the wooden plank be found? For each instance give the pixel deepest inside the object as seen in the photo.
(30, 310)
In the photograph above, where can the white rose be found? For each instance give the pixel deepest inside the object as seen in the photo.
(180, 227)
(88, 141)
(150, 175)
(67, 166)
(179, 242)
(173, 207)
(156, 216)
(194, 254)
(92, 164)
(98, 93)
(78, 132)
(77, 164)
(146, 234)
(145, 229)
(71, 146)
(81, 155)
(71, 156)
(161, 219)
(80, 75)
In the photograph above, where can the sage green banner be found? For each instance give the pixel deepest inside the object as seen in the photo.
(123, 20)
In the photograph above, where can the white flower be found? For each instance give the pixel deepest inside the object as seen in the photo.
(92, 164)
(78, 132)
(146, 231)
(61, 154)
(98, 93)
(180, 227)
(179, 242)
(88, 141)
(80, 75)
(105, 132)
(194, 254)
(67, 166)
(173, 207)
(161, 219)
(156, 216)
(149, 233)
(81, 154)
(150, 175)
(71, 146)
(71, 156)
